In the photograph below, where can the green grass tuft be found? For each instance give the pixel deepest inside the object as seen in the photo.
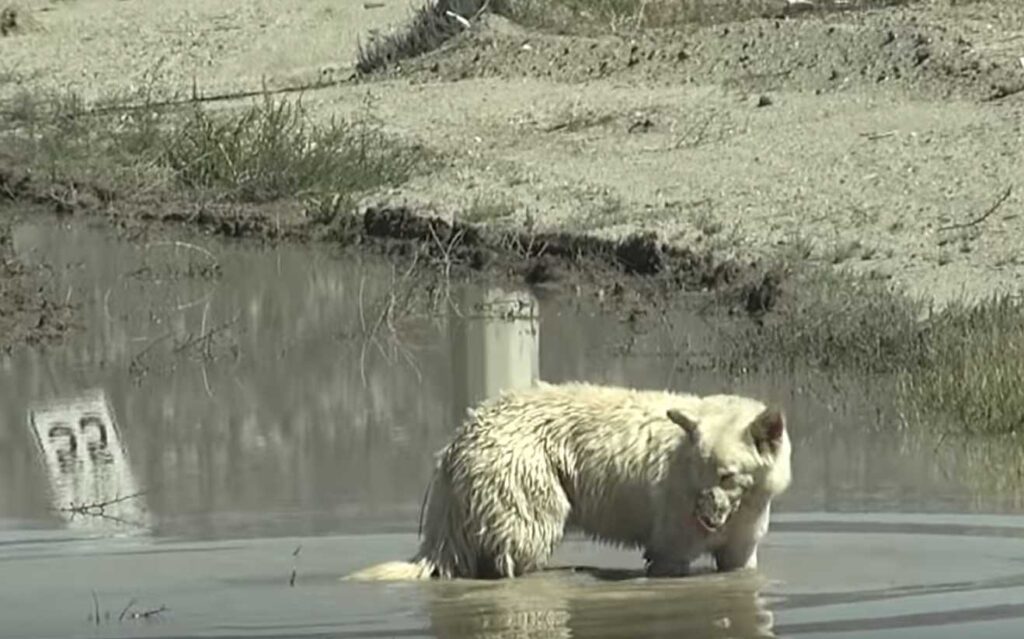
(273, 150)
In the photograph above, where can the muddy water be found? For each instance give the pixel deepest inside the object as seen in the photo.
(236, 427)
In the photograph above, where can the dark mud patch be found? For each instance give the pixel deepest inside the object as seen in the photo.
(641, 263)
(900, 50)
(21, 186)
(30, 310)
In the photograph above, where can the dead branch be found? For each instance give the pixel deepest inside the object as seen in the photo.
(97, 509)
(872, 136)
(186, 245)
(206, 336)
(984, 216)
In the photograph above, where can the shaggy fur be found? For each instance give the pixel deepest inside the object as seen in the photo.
(675, 475)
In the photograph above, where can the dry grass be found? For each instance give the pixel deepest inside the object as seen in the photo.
(267, 150)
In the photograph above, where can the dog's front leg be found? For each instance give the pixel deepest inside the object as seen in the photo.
(670, 551)
(656, 566)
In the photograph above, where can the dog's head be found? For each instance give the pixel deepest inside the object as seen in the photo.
(743, 453)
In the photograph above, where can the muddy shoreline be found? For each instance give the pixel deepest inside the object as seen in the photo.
(640, 272)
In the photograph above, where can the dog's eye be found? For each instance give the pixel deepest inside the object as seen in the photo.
(726, 477)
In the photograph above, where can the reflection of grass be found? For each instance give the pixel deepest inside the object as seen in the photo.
(835, 321)
(991, 467)
(960, 365)
(974, 367)
(268, 150)
(30, 310)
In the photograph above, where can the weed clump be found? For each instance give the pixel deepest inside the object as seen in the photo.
(271, 149)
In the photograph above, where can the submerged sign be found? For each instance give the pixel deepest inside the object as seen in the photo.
(91, 482)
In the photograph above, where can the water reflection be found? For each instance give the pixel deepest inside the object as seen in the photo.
(553, 606)
(259, 402)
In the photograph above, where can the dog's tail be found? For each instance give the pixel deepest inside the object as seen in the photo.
(394, 571)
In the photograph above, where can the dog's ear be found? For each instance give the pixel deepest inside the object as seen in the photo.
(683, 422)
(768, 429)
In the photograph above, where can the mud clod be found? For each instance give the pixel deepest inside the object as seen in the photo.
(402, 224)
(9, 21)
(541, 270)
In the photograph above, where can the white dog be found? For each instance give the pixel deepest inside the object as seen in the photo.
(676, 475)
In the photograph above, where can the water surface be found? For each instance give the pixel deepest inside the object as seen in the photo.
(236, 427)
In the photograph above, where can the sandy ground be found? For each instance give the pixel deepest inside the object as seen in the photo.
(103, 48)
(886, 140)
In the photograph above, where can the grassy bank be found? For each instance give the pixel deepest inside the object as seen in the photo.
(265, 151)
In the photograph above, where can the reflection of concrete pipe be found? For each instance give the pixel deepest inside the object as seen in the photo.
(495, 345)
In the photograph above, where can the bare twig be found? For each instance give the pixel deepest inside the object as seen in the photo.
(878, 136)
(131, 603)
(464, 22)
(984, 216)
(152, 343)
(186, 245)
(446, 252)
(295, 572)
(97, 508)
(205, 336)
(146, 614)
(206, 381)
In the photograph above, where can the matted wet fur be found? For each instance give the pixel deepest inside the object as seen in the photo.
(672, 474)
